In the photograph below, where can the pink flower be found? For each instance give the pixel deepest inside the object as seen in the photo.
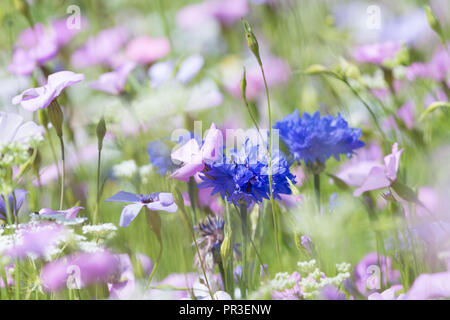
(84, 269)
(388, 294)
(382, 176)
(40, 98)
(430, 286)
(224, 11)
(193, 156)
(376, 53)
(144, 49)
(70, 213)
(113, 82)
(101, 49)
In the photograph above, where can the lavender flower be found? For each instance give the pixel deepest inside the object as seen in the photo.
(146, 50)
(315, 138)
(155, 201)
(68, 214)
(113, 82)
(15, 201)
(40, 98)
(377, 53)
(84, 269)
(159, 155)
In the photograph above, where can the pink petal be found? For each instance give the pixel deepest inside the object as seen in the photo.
(375, 180)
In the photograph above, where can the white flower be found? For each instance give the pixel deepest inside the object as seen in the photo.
(125, 169)
(13, 129)
(103, 231)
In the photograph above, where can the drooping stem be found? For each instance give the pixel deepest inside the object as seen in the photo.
(8, 210)
(244, 225)
(317, 189)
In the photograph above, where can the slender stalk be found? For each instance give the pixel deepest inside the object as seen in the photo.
(244, 225)
(317, 189)
(17, 262)
(98, 186)
(272, 201)
(61, 199)
(154, 267)
(52, 149)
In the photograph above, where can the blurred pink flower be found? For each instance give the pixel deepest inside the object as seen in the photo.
(83, 268)
(388, 294)
(70, 213)
(100, 49)
(145, 50)
(382, 176)
(430, 286)
(376, 53)
(113, 82)
(224, 11)
(41, 97)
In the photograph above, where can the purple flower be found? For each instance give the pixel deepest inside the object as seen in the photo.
(306, 243)
(100, 49)
(388, 294)
(224, 11)
(430, 286)
(194, 157)
(293, 293)
(62, 34)
(376, 53)
(157, 201)
(22, 63)
(366, 276)
(40, 98)
(382, 176)
(36, 240)
(146, 50)
(177, 280)
(69, 213)
(19, 196)
(83, 268)
(437, 69)
(12, 128)
(113, 82)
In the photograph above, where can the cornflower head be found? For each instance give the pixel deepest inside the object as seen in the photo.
(315, 138)
(242, 176)
(211, 235)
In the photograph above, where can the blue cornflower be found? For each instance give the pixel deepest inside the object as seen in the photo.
(311, 138)
(159, 155)
(242, 176)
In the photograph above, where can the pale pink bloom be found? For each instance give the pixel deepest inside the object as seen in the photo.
(113, 82)
(430, 286)
(388, 294)
(144, 49)
(382, 176)
(40, 98)
(376, 53)
(193, 156)
(70, 213)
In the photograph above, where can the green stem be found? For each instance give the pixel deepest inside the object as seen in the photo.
(244, 225)
(61, 199)
(52, 149)
(98, 186)
(272, 201)
(154, 267)
(317, 190)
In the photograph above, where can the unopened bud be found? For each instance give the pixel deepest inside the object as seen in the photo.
(56, 117)
(251, 41)
(226, 248)
(434, 24)
(101, 131)
(244, 86)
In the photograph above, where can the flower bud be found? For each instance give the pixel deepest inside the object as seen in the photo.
(101, 131)
(244, 86)
(226, 248)
(251, 41)
(56, 117)
(434, 24)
